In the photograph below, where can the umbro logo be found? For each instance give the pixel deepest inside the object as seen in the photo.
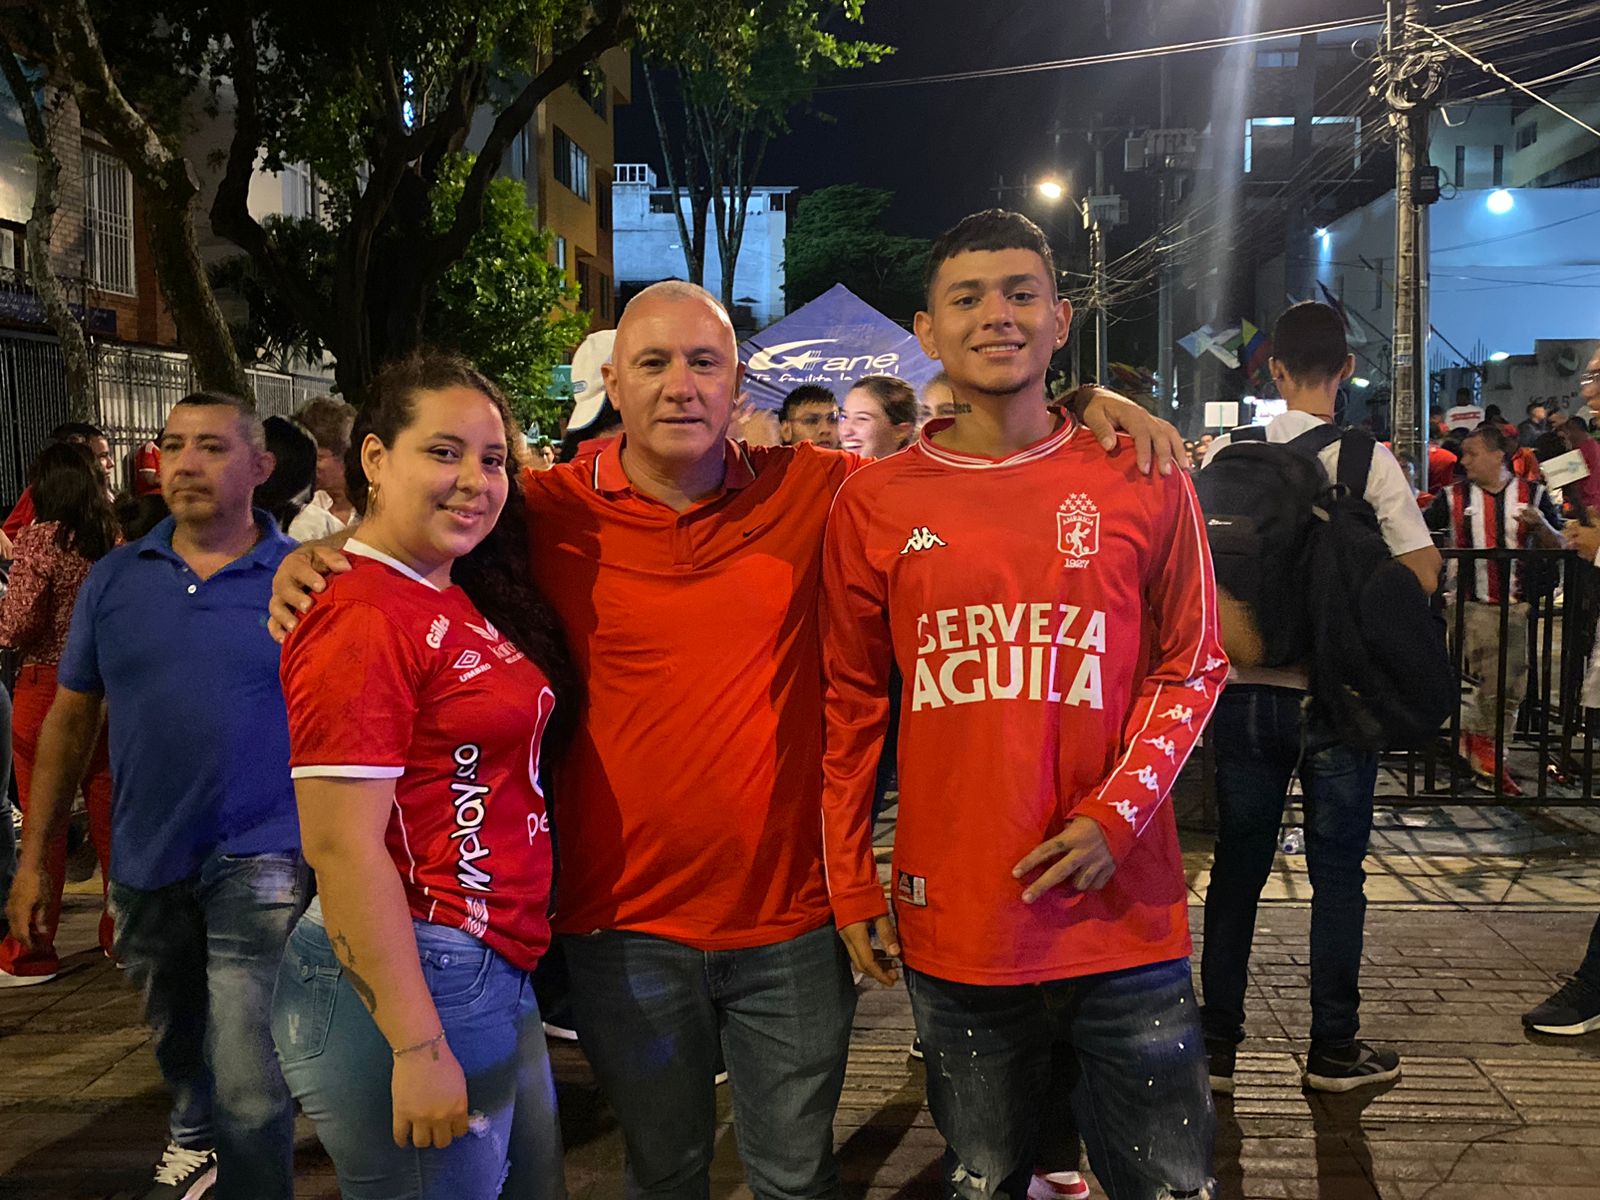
(467, 660)
(922, 539)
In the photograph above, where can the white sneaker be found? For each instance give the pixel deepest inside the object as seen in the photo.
(183, 1174)
(560, 1032)
(8, 980)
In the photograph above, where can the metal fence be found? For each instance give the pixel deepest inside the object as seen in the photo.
(137, 388)
(1543, 745)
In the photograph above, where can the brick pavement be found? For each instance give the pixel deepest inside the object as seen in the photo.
(1474, 914)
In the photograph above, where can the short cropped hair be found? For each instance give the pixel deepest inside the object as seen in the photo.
(1494, 438)
(249, 420)
(1309, 341)
(76, 431)
(894, 396)
(992, 229)
(806, 393)
(329, 420)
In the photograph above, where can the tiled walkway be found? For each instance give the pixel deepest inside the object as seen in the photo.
(1473, 916)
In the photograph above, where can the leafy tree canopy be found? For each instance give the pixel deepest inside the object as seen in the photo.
(837, 236)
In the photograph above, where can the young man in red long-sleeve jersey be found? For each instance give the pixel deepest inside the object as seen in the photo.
(1053, 614)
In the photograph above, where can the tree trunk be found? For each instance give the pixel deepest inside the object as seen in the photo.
(167, 187)
(83, 400)
(692, 239)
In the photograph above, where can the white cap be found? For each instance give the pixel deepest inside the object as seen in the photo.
(588, 387)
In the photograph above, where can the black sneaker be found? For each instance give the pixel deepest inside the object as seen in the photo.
(1574, 1009)
(916, 1049)
(1221, 1055)
(184, 1174)
(1345, 1068)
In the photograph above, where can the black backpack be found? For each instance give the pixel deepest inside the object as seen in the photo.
(1381, 674)
(1260, 501)
(1309, 562)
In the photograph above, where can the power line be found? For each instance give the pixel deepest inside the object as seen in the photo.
(1499, 74)
(1063, 64)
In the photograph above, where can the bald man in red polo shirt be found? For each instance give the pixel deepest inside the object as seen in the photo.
(684, 570)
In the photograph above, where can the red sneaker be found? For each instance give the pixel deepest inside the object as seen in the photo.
(1058, 1185)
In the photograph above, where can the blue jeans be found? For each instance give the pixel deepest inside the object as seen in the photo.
(1261, 735)
(8, 834)
(1589, 969)
(652, 1014)
(1137, 1079)
(203, 954)
(339, 1068)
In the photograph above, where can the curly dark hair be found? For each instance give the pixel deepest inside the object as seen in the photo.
(69, 489)
(495, 574)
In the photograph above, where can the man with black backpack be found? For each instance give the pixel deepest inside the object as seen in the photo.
(1285, 546)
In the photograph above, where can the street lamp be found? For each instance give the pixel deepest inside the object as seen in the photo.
(1051, 190)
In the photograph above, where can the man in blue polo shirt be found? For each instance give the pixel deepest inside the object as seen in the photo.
(169, 636)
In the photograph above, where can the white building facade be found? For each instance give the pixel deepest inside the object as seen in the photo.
(648, 247)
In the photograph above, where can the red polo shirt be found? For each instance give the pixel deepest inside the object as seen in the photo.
(689, 805)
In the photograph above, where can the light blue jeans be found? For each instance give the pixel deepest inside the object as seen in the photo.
(339, 1068)
(203, 953)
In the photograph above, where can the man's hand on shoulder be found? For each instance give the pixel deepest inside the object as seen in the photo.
(1105, 414)
(299, 577)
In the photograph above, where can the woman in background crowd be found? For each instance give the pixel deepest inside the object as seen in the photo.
(420, 691)
(73, 529)
(329, 421)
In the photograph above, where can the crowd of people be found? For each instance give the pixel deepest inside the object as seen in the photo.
(637, 715)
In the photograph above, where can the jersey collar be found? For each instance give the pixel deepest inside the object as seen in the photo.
(1040, 449)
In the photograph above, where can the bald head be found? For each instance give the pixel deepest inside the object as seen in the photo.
(647, 303)
(674, 377)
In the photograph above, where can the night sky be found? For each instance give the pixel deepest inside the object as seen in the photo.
(940, 146)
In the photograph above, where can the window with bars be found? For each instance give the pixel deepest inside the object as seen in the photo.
(108, 222)
(571, 164)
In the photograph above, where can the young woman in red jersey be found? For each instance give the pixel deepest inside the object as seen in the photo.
(420, 692)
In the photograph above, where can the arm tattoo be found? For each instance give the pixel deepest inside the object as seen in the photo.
(347, 957)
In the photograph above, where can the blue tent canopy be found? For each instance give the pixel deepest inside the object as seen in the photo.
(833, 341)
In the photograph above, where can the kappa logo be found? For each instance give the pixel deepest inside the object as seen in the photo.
(476, 921)
(1180, 714)
(486, 631)
(1148, 777)
(1166, 745)
(436, 631)
(922, 538)
(1078, 529)
(467, 660)
(1128, 811)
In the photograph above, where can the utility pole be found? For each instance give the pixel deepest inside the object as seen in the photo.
(1165, 389)
(1412, 77)
(1097, 258)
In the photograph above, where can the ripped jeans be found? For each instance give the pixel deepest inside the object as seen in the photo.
(1138, 1083)
(339, 1067)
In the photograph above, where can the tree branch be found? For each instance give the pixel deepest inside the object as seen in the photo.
(230, 210)
(610, 20)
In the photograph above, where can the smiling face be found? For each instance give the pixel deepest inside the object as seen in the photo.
(674, 376)
(864, 428)
(438, 490)
(994, 321)
(210, 465)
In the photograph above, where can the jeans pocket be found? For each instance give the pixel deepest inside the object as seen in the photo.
(302, 1010)
(457, 977)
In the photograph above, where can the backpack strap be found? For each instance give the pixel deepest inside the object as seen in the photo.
(1355, 460)
(1248, 433)
(1314, 441)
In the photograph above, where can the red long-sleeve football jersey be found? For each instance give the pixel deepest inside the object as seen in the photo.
(1053, 616)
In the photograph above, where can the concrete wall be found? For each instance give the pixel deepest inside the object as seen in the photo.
(649, 247)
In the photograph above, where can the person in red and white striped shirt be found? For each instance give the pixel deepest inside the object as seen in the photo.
(1492, 509)
(1053, 614)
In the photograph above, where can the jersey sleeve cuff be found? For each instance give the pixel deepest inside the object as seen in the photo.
(857, 905)
(323, 771)
(1119, 835)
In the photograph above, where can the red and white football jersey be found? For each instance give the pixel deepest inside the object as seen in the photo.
(1053, 616)
(389, 677)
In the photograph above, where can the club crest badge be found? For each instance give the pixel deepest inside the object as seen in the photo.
(1078, 529)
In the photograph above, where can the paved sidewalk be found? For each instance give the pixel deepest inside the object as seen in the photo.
(1474, 914)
